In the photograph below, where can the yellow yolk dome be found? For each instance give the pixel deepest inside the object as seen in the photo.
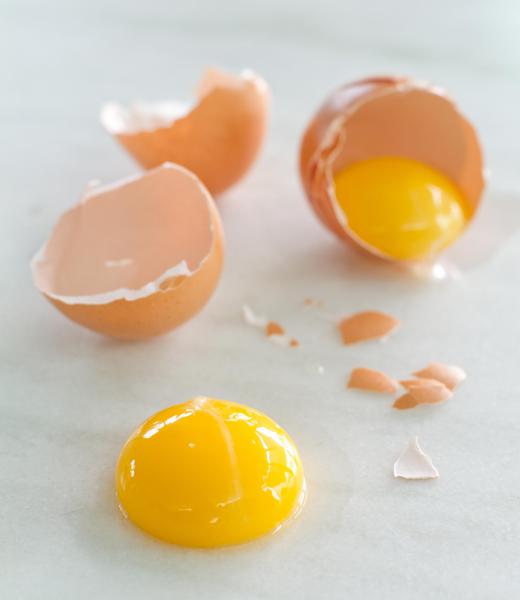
(209, 473)
(403, 208)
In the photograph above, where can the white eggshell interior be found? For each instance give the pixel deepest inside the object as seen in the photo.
(123, 241)
(141, 116)
(414, 463)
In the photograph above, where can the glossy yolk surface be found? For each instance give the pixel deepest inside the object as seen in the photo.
(209, 473)
(404, 208)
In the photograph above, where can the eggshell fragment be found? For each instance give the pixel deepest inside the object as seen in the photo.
(427, 391)
(386, 116)
(405, 402)
(414, 463)
(273, 328)
(251, 318)
(450, 375)
(283, 340)
(136, 258)
(218, 138)
(366, 325)
(372, 381)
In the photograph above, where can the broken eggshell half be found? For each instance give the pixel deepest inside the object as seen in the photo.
(136, 258)
(217, 138)
(386, 116)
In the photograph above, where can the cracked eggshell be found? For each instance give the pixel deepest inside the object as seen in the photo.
(273, 330)
(386, 116)
(136, 258)
(372, 381)
(427, 391)
(217, 138)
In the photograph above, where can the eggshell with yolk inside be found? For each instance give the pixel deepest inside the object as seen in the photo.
(386, 116)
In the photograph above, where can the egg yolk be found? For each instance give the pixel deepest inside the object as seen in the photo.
(402, 207)
(209, 473)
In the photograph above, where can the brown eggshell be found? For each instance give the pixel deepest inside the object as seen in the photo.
(386, 116)
(450, 375)
(405, 402)
(427, 391)
(134, 259)
(274, 328)
(366, 325)
(372, 381)
(218, 138)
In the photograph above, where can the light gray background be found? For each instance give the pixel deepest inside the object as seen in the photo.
(69, 398)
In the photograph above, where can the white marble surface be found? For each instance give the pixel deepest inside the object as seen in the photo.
(68, 398)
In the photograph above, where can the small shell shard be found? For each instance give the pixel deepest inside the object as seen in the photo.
(218, 137)
(274, 328)
(405, 402)
(114, 266)
(414, 463)
(372, 381)
(450, 375)
(283, 340)
(366, 325)
(427, 391)
(251, 318)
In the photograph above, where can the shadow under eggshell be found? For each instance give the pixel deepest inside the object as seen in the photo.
(449, 375)
(427, 391)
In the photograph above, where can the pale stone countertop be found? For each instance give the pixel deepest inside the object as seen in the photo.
(69, 398)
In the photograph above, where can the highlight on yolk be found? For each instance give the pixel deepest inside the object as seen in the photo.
(209, 473)
(402, 207)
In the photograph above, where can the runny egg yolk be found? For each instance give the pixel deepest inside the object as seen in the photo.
(405, 209)
(209, 473)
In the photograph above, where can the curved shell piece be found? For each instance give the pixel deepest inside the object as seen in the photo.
(386, 116)
(218, 138)
(427, 391)
(274, 328)
(134, 259)
(366, 325)
(405, 402)
(372, 381)
(450, 375)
